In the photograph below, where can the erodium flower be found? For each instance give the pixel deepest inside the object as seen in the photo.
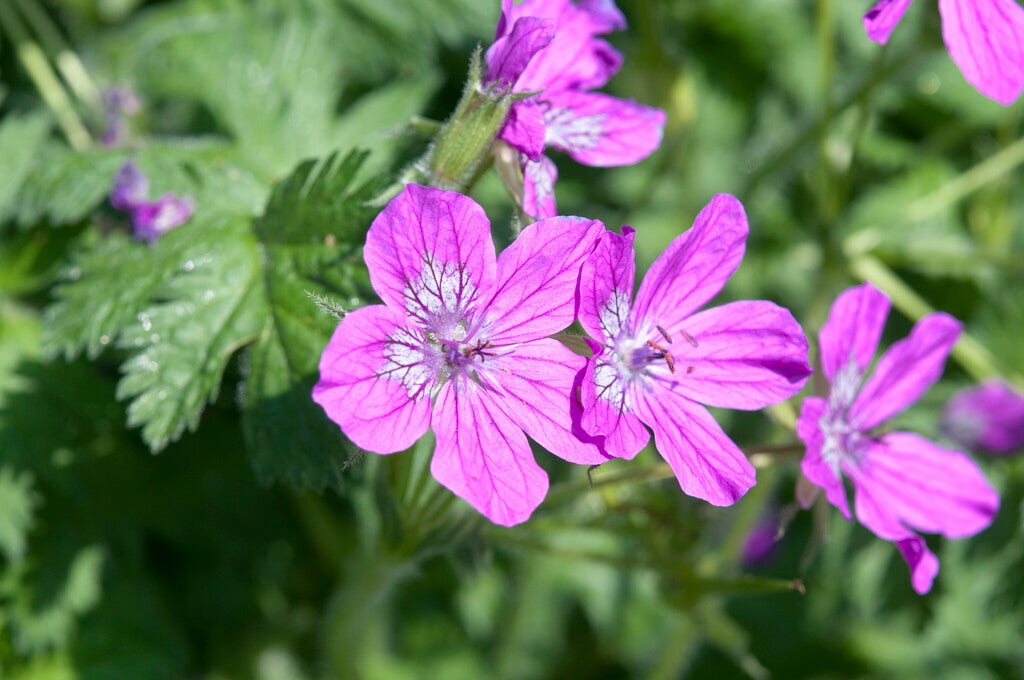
(658, 360)
(985, 38)
(551, 47)
(150, 219)
(902, 482)
(988, 418)
(460, 346)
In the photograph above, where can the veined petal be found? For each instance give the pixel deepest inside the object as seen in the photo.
(508, 57)
(535, 294)
(483, 457)
(923, 563)
(906, 370)
(695, 265)
(524, 129)
(881, 19)
(985, 38)
(539, 187)
(905, 480)
(575, 58)
(605, 411)
(430, 253)
(706, 462)
(606, 285)
(816, 469)
(596, 129)
(748, 355)
(853, 329)
(375, 380)
(536, 381)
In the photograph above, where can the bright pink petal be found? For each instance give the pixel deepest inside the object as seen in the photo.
(539, 187)
(989, 417)
(575, 58)
(606, 286)
(604, 15)
(748, 355)
(816, 469)
(596, 129)
(906, 370)
(706, 462)
(907, 481)
(483, 457)
(695, 265)
(430, 253)
(605, 411)
(508, 57)
(524, 129)
(853, 329)
(986, 40)
(536, 388)
(375, 380)
(535, 294)
(923, 563)
(881, 19)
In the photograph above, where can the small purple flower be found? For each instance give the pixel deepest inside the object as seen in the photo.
(551, 47)
(985, 38)
(988, 418)
(901, 481)
(762, 540)
(658, 359)
(460, 345)
(150, 219)
(118, 103)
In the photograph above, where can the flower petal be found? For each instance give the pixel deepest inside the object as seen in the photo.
(853, 329)
(606, 285)
(508, 57)
(748, 355)
(907, 481)
(989, 417)
(538, 275)
(881, 19)
(150, 220)
(430, 252)
(815, 468)
(539, 187)
(605, 411)
(483, 457)
(923, 563)
(986, 40)
(131, 187)
(695, 265)
(906, 370)
(596, 129)
(706, 462)
(536, 391)
(524, 129)
(379, 397)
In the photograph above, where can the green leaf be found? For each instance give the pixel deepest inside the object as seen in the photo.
(17, 503)
(20, 138)
(210, 308)
(314, 220)
(65, 186)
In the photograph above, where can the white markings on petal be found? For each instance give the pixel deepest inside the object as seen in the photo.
(614, 313)
(410, 360)
(441, 298)
(566, 130)
(843, 440)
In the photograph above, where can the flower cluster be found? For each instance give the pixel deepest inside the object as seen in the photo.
(150, 219)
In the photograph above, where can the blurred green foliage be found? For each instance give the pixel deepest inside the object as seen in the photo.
(260, 545)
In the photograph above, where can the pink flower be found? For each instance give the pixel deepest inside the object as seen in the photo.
(985, 38)
(658, 359)
(901, 481)
(551, 47)
(460, 345)
(150, 219)
(988, 418)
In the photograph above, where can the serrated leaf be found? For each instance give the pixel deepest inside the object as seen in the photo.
(65, 186)
(20, 138)
(17, 505)
(212, 308)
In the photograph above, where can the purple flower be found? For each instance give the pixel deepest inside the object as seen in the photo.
(460, 345)
(901, 481)
(150, 219)
(988, 418)
(550, 47)
(658, 359)
(985, 38)
(118, 103)
(762, 540)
